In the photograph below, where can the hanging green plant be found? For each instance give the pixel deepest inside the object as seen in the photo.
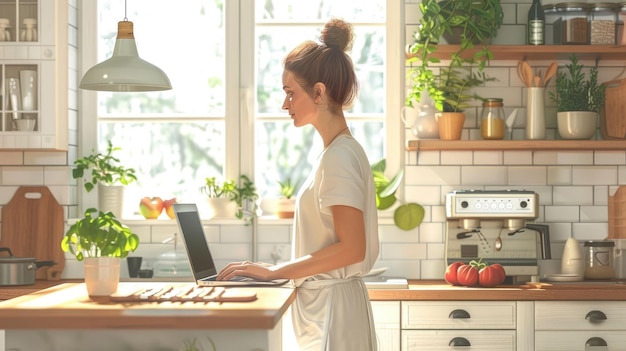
(408, 215)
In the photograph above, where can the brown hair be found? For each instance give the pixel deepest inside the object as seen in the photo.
(327, 63)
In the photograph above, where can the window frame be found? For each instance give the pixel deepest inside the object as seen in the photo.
(240, 135)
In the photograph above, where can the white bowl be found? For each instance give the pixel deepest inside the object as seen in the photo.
(577, 124)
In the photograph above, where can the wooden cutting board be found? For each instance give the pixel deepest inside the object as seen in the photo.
(33, 226)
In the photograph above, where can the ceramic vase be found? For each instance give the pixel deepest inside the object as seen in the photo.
(28, 89)
(221, 207)
(535, 113)
(111, 198)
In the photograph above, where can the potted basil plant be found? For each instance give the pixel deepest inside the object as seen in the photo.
(100, 240)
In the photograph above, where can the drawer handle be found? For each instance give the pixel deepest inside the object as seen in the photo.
(459, 341)
(595, 341)
(459, 314)
(595, 316)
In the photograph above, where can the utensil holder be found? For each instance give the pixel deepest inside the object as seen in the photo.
(535, 113)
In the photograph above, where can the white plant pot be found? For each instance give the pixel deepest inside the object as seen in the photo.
(221, 207)
(579, 125)
(111, 198)
(102, 275)
(285, 208)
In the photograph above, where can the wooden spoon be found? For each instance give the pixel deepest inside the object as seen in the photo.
(528, 74)
(549, 73)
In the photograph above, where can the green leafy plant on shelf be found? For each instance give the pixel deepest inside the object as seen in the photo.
(474, 21)
(99, 235)
(407, 216)
(574, 92)
(104, 169)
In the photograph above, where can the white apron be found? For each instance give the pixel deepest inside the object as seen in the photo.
(334, 315)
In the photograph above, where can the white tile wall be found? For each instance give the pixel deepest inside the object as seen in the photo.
(572, 186)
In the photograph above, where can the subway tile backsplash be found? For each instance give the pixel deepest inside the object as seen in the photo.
(572, 185)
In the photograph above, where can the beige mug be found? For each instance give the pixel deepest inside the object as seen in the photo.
(450, 125)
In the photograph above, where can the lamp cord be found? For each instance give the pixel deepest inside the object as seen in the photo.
(125, 10)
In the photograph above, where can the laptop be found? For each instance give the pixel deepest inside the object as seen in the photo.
(200, 258)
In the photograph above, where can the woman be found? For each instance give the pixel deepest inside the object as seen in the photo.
(335, 223)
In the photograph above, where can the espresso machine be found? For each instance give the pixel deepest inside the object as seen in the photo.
(496, 226)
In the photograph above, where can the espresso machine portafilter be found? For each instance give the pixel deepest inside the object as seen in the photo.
(494, 226)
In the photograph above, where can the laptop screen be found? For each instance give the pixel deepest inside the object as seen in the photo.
(192, 232)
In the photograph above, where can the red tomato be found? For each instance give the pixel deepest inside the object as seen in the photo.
(491, 275)
(451, 273)
(467, 275)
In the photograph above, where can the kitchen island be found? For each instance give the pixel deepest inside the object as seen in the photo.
(64, 317)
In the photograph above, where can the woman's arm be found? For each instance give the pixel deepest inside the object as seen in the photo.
(349, 249)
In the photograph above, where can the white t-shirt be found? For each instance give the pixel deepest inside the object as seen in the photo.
(342, 176)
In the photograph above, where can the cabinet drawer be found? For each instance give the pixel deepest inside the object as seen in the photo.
(580, 340)
(580, 315)
(458, 314)
(433, 340)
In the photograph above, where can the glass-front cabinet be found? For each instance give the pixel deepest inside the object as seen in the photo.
(34, 74)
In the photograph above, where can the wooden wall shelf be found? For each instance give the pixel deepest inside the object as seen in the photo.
(521, 145)
(541, 52)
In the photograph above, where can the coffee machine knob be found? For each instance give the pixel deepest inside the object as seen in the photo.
(464, 204)
(523, 204)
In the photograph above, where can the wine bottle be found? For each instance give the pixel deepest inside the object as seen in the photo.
(536, 24)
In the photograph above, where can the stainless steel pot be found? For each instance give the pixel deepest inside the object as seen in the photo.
(19, 270)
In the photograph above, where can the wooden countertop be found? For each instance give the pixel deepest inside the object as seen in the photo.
(437, 290)
(67, 306)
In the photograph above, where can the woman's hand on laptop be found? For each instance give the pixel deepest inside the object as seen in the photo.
(256, 270)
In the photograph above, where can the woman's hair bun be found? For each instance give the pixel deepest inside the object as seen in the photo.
(337, 34)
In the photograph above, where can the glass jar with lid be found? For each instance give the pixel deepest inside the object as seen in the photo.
(551, 16)
(599, 259)
(573, 23)
(619, 30)
(602, 23)
(492, 119)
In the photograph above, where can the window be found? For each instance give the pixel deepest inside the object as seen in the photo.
(174, 139)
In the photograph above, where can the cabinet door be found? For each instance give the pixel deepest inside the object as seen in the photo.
(38, 120)
(458, 315)
(580, 340)
(580, 315)
(434, 340)
(387, 322)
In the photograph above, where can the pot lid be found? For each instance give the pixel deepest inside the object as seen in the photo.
(13, 259)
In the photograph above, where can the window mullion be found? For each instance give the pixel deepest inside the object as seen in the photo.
(232, 108)
(247, 83)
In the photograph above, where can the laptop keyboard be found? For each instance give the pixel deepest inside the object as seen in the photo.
(183, 293)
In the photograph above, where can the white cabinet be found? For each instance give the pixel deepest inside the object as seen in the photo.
(387, 323)
(445, 325)
(580, 325)
(34, 54)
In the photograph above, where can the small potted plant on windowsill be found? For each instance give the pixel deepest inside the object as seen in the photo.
(578, 101)
(227, 199)
(285, 205)
(100, 240)
(103, 170)
(219, 197)
(407, 216)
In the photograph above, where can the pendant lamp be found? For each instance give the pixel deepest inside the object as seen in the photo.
(125, 71)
